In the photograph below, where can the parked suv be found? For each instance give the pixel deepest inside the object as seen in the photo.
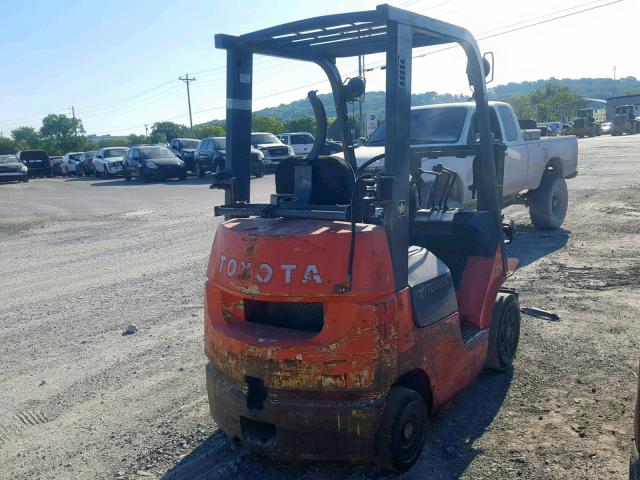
(70, 164)
(184, 148)
(108, 161)
(56, 162)
(272, 148)
(86, 162)
(37, 161)
(153, 162)
(302, 144)
(211, 154)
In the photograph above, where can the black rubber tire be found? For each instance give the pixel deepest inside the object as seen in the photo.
(548, 203)
(504, 332)
(143, 175)
(106, 172)
(125, 174)
(95, 172)
(198, 170)
(25, 179)
(403, 430)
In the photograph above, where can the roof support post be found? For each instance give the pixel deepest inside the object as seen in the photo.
(239, 97)
(342, 111)
(397, 146)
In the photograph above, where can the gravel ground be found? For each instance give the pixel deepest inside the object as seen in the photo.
(83, 258)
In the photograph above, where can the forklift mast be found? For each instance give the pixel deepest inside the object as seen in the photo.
(322, 40)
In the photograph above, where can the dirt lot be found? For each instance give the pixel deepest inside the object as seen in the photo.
(82, 258)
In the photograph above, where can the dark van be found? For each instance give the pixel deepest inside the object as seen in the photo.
(37, 161)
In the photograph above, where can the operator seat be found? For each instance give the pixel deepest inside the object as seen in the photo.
(454, 236)
(331, 180)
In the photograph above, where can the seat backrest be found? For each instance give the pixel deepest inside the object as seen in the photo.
(455, 236)
(331, 180)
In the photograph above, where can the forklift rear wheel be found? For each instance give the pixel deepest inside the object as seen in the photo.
(403, 430)
(504, 332)
(548, 203)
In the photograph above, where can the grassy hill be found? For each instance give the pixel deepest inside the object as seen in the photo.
(374, 101)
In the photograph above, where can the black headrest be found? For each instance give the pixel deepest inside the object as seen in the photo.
(332, 181)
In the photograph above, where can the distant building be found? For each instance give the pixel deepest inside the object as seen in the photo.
(106, 138)
(613, 102)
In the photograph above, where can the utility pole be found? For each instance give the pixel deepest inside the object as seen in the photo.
(614, 81)
(363, 126)
(187, 81)
(146, 131)
(75, 127)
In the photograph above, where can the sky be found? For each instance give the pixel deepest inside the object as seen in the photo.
(117, 62)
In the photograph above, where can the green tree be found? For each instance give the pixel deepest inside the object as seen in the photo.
(302, 124)
(334, 132)
(59, 131)
(25, 138)
(7, 146)
(204, 131)
(166, 131)
(266, 124)
(89, 145)
(134, 139)
(543, 103)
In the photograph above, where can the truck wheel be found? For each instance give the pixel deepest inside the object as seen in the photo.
(404, 426)
(548, 203)
(504, 332)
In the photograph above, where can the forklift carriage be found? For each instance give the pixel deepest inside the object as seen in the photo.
(342, 314)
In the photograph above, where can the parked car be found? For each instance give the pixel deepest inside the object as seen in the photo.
(534, 170)
(153, 162)
(185, 148)
(86, 162)
(55, 161)
(272, 148)
(13, 169)
(108, 161)
(69, 165)
(554, 128)
(331, 147)
(302, 144)
(211, 154)
(605, 128)
(37, 162)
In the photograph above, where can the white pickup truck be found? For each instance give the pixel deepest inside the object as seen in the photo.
(535, 167)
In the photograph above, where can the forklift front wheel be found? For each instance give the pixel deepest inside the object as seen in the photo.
(404, 426)
(504, 332)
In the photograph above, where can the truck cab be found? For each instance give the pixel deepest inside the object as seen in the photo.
(528, 157)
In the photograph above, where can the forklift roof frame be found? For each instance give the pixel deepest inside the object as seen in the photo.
(322, 40)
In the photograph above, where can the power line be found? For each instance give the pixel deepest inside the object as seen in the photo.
(220, 70)
(511, 30)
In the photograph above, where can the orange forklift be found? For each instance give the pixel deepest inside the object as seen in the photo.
(346, 311)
